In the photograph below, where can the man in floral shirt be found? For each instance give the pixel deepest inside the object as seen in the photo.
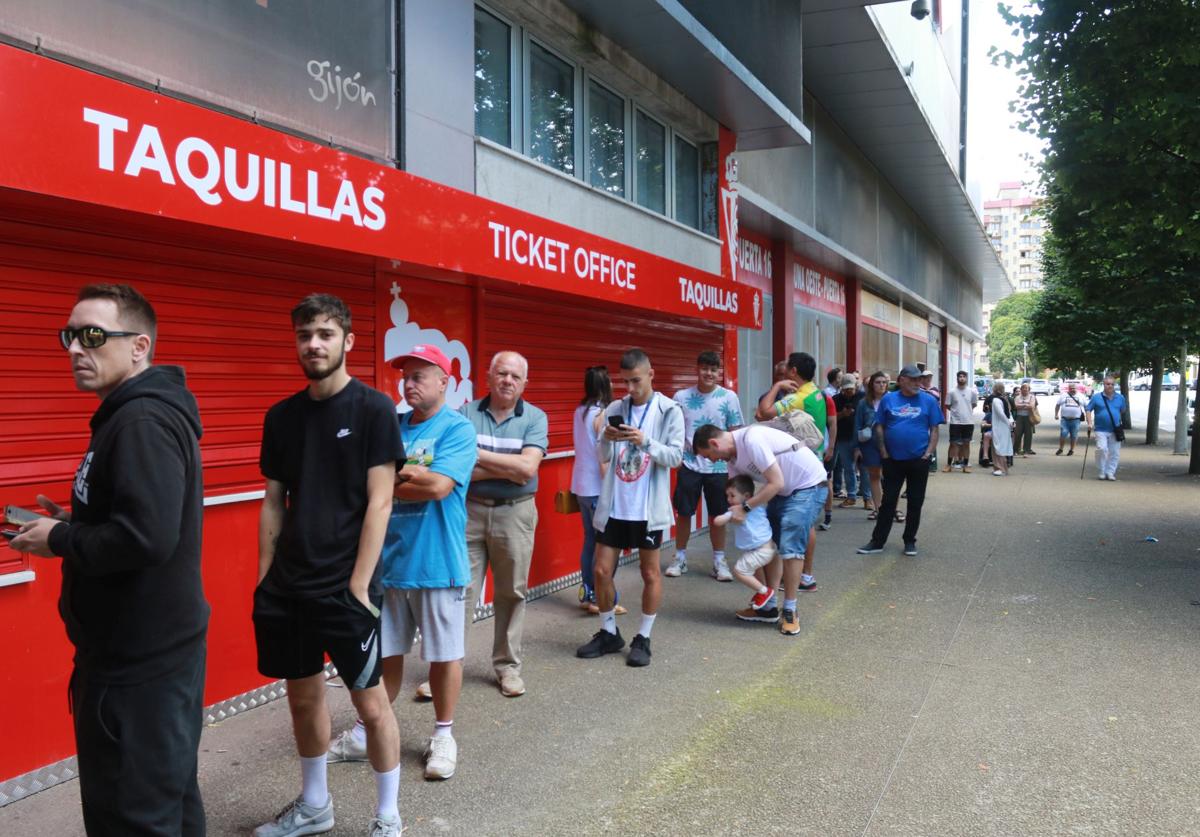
(706, 403)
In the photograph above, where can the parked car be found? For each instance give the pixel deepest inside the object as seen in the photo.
(1039, 386)
(1056, 385)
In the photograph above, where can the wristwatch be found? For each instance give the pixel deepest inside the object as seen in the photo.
(746, 506)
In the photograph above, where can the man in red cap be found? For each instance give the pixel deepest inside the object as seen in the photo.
(425, 566)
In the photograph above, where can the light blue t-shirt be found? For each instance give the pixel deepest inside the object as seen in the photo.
(719, 407)
(907, 423)
(1116, 405)
(426, 543)
(755, 531)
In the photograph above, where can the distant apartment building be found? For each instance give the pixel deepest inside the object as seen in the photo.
(1015, 229)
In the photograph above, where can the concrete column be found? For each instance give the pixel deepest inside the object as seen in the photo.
(784, 315)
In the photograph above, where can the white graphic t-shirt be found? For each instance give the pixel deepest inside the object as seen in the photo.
(1070, 406)
(631, 466)
(719, 407)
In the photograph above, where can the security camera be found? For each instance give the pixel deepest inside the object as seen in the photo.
(920, 9)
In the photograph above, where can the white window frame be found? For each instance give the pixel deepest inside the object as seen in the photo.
(515, 85)
(668, 160)
(676, 135)
(576, 82)
(626, 126)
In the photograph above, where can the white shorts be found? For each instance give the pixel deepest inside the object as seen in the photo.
(753, 559)
(438, 613)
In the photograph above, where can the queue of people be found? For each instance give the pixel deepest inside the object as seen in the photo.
(376, 531)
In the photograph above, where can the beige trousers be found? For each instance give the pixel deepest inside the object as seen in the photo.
(502, 537)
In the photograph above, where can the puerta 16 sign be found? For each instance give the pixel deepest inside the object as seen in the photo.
(315, 67)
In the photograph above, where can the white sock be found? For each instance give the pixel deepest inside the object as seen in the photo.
(647, 624)
(608, 620)
(387, 785)
(719, 556)
(762, 588)
(443, 729)
(806, 578)
(681, 555)
(314, 787)
(359, 733)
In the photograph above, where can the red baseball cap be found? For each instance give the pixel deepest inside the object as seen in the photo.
(427, 353)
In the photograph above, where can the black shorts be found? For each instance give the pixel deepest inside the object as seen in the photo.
(294, 635)
(961, 433)
(690, 484)
(628, 534)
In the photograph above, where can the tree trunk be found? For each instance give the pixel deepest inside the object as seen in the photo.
(1124, 381)
(1194, 464)
(1181, 413)
(1155, 402)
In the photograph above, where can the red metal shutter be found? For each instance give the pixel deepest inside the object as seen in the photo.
(561, 337)
(223, 306)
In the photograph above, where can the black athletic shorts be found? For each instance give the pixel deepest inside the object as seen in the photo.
(961, 433)
(628, 534)
(294, 635)
(689, 485)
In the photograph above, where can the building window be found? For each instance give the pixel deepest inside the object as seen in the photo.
(606, 140)
(687, 183)
(551, 110)
(493, 78)
(651, 168)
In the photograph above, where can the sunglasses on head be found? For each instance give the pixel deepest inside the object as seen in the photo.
(90, 337)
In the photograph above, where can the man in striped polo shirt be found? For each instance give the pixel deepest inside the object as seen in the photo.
(512, 436)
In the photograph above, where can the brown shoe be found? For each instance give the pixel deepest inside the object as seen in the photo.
(966, 469)
(947, 469)
(423, 692)
(618, 610)
(790, 624)
(511, 684)
(847, 504)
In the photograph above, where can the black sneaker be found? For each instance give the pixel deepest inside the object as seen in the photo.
(826, 523)
(910, 547)
(601, 643)
(639, 651)
(870, 548)
(766, 614)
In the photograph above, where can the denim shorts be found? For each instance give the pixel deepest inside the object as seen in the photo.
(792, 516)
(1070, 427)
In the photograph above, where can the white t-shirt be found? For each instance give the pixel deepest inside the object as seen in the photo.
(632, 465)
(1070, 406)
(585, 474)
(759, 447)
(962, 401)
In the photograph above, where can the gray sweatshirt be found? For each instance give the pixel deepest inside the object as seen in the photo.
(666, 452)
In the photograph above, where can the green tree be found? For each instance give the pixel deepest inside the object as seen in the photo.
(1011, 335)
(1110, 85)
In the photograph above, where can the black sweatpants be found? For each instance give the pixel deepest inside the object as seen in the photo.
(137, 749)
(895, 473)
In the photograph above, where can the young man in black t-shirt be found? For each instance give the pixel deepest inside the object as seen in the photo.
(329, 454)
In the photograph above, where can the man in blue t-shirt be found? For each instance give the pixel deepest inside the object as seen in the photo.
(906, 431)
(1106, 408)
(425, 566)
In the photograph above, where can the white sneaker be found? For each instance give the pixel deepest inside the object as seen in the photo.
(721, 571)
(441, 757)
(346, 747)
(299, 819)
(385, 828)
(676, 569)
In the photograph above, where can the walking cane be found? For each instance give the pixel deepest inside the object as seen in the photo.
(1086, 442)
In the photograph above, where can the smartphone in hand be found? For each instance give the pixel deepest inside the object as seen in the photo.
(18, 515)
(616, 421)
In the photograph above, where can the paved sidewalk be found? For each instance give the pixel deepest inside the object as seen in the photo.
(1034, 672)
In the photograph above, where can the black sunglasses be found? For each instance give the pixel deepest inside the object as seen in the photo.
(90, 337)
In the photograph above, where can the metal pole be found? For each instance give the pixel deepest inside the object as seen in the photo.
(1182, 448)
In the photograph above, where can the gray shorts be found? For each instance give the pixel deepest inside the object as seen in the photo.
(753, 559)
(439, 615)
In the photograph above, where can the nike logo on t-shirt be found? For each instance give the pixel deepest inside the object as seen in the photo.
(343, 433)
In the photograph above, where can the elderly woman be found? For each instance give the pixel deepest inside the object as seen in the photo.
(1002, 424)
(1024, 406)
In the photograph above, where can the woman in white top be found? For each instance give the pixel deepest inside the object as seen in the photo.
(1024, 406)
(1002, 424)
(587, 471)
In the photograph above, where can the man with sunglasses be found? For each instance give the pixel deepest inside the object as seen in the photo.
(132, 598)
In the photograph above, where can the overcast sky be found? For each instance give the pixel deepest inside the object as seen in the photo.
(995, 146)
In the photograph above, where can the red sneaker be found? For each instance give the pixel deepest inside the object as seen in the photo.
(760, 600)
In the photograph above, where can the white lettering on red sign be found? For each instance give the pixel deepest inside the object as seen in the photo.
(818, 285)
(705, 296)
(754, 258)
(199, 167)
(546, 253)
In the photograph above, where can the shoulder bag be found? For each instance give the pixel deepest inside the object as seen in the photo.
(1118, 430)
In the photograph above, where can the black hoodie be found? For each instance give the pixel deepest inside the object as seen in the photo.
(132, 597)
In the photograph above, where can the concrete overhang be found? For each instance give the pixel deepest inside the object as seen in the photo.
(674, 44)
(853, 73)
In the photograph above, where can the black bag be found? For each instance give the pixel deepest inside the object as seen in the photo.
(1118, 430)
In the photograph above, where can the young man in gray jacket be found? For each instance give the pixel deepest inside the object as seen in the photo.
(643, 441)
